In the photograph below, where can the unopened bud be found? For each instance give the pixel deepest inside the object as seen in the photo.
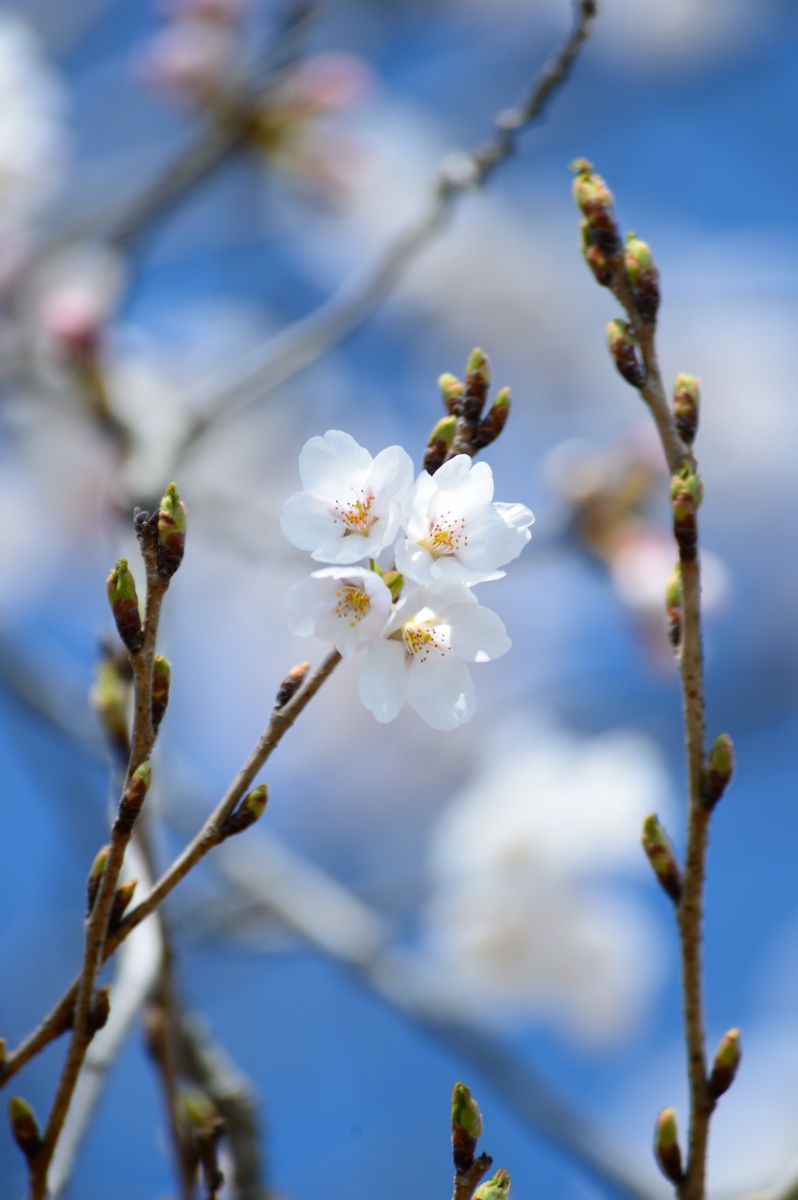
(643, 277)
(673, 607)
(132, 798)
(394, 581)
(466, 1126)
(291, 684)
(171, 532)
(100, 1009)
(477, 370)
(24, 1126)
(95, 875)
(495, 419)
(687, 492)
(438, 444)
(666, 1146)
(121, 589)
(621, 342)
(599, 262)
(494, 1189)
(451, 389)
(595, 200)
(161, 680)
(110, 698)
(659, 853)
(197, 1110)
(720, 769)
(686, 406)
(122, 897)
(727, 1060)
(250, 810)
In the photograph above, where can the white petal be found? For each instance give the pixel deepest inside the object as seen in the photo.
(330, 464)
(492, 542)
(441, 691)
(516, 515)
(468, 483)
(308, 600)
(391, 475)
(413, 560)
(450, 568)
(383, 680)
(478, 635)
(307, 521)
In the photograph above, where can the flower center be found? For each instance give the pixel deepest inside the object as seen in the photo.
(356, 514)
(352, 604)
(446, 536)
(422, 636)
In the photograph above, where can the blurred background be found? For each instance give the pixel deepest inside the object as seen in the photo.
(416, 907)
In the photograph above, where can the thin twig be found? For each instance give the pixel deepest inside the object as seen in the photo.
(57, 1020)
(302, 343)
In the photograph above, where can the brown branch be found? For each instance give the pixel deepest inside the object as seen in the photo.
(302, 343)
(143, 739)
(57, 1021)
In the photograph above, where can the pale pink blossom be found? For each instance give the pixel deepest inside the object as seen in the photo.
(348, 606)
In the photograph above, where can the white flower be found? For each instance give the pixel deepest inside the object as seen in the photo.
(421, 660)
(455, 531)
(352, 504)
(347, 606)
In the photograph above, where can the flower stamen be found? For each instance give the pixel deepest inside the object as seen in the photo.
(446, 536)
(352, 604)
(356, 514)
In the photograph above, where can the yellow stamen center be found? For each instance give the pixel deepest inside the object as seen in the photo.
(446, 536)
(423, 637)
(356, 514)
(352, 604)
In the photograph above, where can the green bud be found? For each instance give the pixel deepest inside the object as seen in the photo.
(478, 367)
(720, 769)
(439, 442)
(687, 492)
(643, 277)
(495, 420)
(659, 853)
(122, 898)
(686, 406)
(451, 389)
(133, 797)
(621, 342)
(24, 1126)
(197, 1110)
(291, 684)
(95, 875)
(666, 1146)
(121, 589)
(250, 810)
(161, 681)
(465, 1112)
(494, 1189)
(595, 201)
(394, 581)
(100, 1009)
(171, 532)
(727, 1060)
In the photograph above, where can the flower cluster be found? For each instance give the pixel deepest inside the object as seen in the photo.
(419, 622)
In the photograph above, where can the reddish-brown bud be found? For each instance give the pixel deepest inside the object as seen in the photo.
(291, 684)
(132, 798)
(123, 599)
(666, 1146)
(643, 277)
(451, 389)
(659, 853)
(250, 810)
(95, 875)
(719, 769)
(24, 1126)
(161, 681)
(621, 341)
(171, 532)
(727, 1060)
(494, 420)
(686, 406)
(122, 897)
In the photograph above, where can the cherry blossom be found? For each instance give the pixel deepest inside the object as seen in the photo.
(352, 504)
(454, 529)
(422, 656)
(347, 606)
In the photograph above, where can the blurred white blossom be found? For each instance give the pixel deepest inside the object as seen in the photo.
(523, 919)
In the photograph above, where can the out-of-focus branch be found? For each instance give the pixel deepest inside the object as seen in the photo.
(336, 922)
(302, 343)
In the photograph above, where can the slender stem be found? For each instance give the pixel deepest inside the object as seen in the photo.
(466, 1182)
(142, 742)
(57, 1021)
(690, 909)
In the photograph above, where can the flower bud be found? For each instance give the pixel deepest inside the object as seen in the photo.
(451, 389)
(439, 442)
(100, 1009)
(720, 769)
(494, 1189)
(24, 1126)
(291, 684)
(643, 277)
(727, 1060)
(600, 264)
(666, 1146)
(171, 532)
(95, 875)
(687, 492)
(122, 897)
(110, 699)
(659, 853)
(161, 680)
(673, 607)
(250, 810)
(121, 589)
(132, 798)
(686, 405)
(477, 382)
(621, 341)
(466, 1126)
(595, 201)
(495, 420)
(394, 581)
